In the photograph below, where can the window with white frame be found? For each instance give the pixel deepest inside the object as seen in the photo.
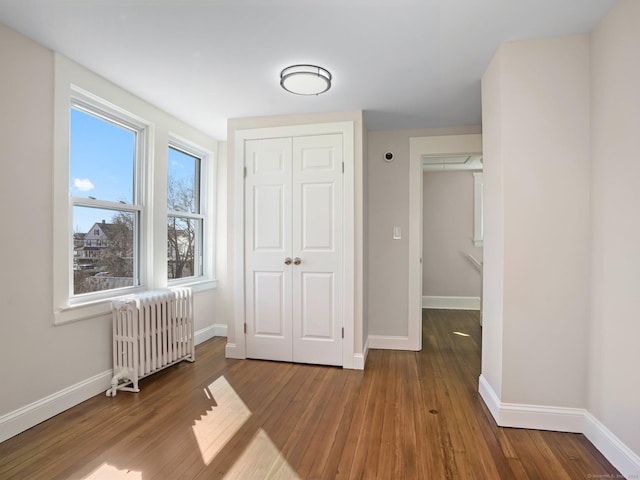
(185, 212)
(112, 152)
(105, 161)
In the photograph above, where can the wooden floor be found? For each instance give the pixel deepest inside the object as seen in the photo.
(408, 416)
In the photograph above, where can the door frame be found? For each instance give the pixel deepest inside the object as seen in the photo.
(238, 348)
(419, 147)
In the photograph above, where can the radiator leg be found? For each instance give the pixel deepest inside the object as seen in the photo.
(122, 375)
(114, 386)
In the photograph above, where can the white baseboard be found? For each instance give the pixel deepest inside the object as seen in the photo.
(561, 419)
(30, 415)
(206, 333)
(388, 342)
(220, 329)
(620, 456)
(451, 303)
(540, 417)
(360, 359)
(490, 398)
(231, 350)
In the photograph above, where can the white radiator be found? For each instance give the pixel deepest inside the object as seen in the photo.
(151, 331)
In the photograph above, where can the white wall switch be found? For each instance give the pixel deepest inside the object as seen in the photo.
(397, 233)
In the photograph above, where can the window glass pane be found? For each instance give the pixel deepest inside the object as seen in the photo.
(103, 249)
(183, 246)
(183, 190)
(101, 159)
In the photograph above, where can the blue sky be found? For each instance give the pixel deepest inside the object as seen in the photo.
(101, 165)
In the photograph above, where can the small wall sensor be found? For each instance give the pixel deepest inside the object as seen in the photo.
(388, 157)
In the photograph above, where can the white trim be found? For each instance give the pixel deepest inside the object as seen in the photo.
(207, 333)
(541, 417)
(23, 418)
(30, 415)
(204, 334)
(444, 145)
(490, 398)
(478, 211)
(451, 303)
(220, 329)
(360, 359)
(390, 342)
(562, 419)
(101, 308)
(622, 457)
(237, 347)
(74, 81)
(208, 189)
(536, 417)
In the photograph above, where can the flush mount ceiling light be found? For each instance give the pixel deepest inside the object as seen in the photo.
(305, 79)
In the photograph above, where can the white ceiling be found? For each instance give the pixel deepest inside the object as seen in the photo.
(406, 63)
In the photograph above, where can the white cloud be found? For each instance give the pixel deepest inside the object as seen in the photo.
(83, 184)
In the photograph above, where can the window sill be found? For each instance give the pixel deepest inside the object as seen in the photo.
(82, 311)
(102, 307)
(196, 286)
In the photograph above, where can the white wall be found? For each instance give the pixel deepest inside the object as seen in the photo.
(614, 382)
(543, 168)
(447, 237)
(561, 119)
(37, 358)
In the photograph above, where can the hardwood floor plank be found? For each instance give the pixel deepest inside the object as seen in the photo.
(409, 415)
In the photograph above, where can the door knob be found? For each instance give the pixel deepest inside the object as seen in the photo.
(297, 261)
(287, 261)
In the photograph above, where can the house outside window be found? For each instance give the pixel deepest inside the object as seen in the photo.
(104, 158)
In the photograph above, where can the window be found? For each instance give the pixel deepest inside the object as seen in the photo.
(109, 197)
(185, 218)
(104, 158)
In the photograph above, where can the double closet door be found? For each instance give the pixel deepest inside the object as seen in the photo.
(294, 267)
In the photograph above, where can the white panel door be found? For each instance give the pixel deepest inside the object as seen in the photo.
(293, 249)
(268, 238)
(317, 249)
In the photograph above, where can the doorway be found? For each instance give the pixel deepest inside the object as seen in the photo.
(452, 232)
(419, 148)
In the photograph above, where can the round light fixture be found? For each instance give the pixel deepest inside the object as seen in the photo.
(305, 79)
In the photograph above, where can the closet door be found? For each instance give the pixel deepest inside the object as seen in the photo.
(293, 249)
(268, 238)
(317, 249)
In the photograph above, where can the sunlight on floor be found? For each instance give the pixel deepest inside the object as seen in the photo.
(109, 472)
(222, 422)
(261, 459)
